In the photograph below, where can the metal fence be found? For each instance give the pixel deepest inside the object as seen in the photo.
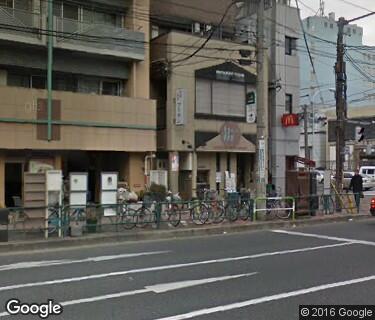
(55, 221)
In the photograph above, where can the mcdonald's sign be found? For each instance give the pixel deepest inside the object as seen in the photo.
(290, 120)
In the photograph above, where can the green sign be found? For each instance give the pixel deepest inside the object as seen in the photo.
(250, 97)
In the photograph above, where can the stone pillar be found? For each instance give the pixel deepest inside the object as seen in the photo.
(194, 174)
(173, 173)
(2, 180)
(223, 168)
(138, 85)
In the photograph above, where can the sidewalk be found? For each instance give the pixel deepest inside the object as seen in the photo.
(179, 232)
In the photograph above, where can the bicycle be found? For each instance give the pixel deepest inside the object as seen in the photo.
(212, 208)
(128, 216)
(280, 210)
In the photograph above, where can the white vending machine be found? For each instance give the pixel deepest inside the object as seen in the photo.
(78, 185)
(108, 194)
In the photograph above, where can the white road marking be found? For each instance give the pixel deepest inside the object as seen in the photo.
(275, 297)
(318, 236)
(48, 263)
(158, 288)
(166, 267)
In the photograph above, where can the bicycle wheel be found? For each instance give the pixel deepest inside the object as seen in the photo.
(217, 212)
(199, 214)
(244, 211)
(173, 214)
(144, 217)
(282, 213)
(231, 213)
(78, 215)
(129, 219)
(53, 221)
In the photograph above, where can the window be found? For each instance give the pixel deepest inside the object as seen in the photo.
(18, 80)
(87, 85)
(290, 45)
(331, 25)
(289, 103)
(354, 31)
(220, 98)
(38, 82)
(111, 88)
(325, 24)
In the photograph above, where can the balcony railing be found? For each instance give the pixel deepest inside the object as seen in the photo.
(20, 22)
(25, 26)
(99, 37)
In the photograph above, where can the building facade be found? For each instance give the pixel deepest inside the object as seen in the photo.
(206, 134)
(282, 31)
(102, 117)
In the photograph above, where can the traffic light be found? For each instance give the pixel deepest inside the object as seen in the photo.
(360, 134)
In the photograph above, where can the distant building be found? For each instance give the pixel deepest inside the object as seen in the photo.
(321, 33)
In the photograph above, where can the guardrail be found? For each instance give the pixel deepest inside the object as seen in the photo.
(283, 207)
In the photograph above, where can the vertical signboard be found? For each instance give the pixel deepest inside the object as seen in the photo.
(174, 161)
(261, 160)
(251, 111)
(180, 106)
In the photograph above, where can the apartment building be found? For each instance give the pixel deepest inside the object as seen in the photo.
(102, 117)
(206, 129)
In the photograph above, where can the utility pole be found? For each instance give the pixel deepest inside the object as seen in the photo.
(341, 107)
(262, 105)
(49, 69)
(306, 131)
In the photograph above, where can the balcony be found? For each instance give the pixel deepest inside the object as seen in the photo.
(81, 121)
(20, 26)
(102, 39)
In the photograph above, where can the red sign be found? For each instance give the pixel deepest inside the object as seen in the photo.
(306, 162)
(290, 120)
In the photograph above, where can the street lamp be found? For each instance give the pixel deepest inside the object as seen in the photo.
(313, 114)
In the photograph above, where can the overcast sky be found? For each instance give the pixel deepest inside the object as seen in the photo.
(348, 9)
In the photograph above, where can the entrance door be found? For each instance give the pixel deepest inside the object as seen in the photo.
(13, 184)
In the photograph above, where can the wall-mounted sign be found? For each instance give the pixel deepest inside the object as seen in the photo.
(230, 76)
(180, 106)
(261, 160)
(230, 134)
(251, 110)
(175, 162)
(290, 120)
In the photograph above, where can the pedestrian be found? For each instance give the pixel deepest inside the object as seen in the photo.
(356, 184)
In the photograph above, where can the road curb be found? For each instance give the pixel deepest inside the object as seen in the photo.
(170, 233)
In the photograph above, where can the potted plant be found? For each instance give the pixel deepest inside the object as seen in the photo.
(91, 220)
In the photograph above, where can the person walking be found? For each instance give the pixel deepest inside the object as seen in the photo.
(356, 184)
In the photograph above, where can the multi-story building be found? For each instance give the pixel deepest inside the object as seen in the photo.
(206, 135)
(282, 31)
(321, 35)
(102, 116)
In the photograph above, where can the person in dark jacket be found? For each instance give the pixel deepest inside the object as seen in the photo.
(356, 184)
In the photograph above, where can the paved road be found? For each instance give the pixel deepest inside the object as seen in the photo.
(259, 275)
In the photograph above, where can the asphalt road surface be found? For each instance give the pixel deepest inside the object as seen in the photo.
(260, 275)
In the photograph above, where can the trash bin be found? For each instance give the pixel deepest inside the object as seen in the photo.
(4, 224)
